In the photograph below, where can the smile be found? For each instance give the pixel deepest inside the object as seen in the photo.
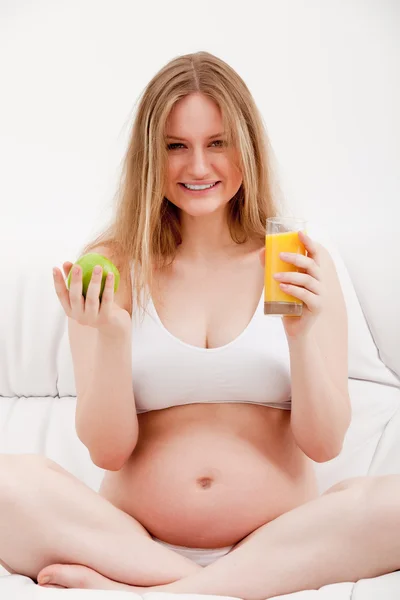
(199, 188)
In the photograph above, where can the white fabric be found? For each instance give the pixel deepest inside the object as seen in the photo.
(38, 396)
(370, 359)
(252, 368)
(201, 556)
(372, 258)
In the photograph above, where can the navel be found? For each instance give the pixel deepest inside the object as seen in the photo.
(204, 482)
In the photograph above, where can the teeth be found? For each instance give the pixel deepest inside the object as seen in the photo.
(199, 187)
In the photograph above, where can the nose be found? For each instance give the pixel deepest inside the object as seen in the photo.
(198, 166)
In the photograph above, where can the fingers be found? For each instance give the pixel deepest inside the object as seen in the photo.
(92, 302)
(89, 310)
(300, 279)
(75, 295)
(67, 267)
(61, 291)
(302, 262)
(310, 245)
(107, 299)
(311, 300)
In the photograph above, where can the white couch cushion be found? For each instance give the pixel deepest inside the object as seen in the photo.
(373, 258)
(370, 359)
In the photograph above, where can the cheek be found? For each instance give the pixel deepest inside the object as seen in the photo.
(235, 174)
(173, 169)
(232, 167)
(170, 176)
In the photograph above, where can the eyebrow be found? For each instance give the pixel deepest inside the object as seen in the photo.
(174, 137)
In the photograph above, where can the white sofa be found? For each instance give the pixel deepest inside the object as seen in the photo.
(38, 398)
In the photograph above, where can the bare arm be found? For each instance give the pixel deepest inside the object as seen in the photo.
(321, 408)
(106, 420)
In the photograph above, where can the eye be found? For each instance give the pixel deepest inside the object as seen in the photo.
(177, 145)
(173, 146)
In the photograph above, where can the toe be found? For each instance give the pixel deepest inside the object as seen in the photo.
(46, 575)
(70, 576)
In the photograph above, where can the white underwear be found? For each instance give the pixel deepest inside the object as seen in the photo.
(201, 556)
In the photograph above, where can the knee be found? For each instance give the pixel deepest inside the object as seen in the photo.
(16, 470)
(373, 501)
(354, 484)
(384, 501)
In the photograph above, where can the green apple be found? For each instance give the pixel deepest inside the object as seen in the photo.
(87, 262)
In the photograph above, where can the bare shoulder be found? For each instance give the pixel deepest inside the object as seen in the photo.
(123, 295)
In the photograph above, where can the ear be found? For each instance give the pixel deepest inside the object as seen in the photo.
(262, 257)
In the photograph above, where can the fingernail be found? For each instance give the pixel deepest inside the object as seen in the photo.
(44, 580)
(284, 254)
(278, 275)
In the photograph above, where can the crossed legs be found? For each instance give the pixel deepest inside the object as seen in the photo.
(48, 516)
(350, 532)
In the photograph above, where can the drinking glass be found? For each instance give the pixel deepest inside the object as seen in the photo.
(281, 236)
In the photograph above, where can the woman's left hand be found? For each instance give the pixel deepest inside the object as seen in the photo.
(311, 285)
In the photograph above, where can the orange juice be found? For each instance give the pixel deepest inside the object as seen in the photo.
(276, 301)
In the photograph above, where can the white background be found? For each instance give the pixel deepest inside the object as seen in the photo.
(325, 75)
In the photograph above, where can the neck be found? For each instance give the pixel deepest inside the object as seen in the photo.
(205, 239)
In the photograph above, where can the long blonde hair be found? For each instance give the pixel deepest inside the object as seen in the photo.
(145, 229)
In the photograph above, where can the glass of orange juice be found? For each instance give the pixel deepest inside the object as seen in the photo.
(281, 236)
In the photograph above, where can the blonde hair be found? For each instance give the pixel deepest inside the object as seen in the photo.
(145, 229)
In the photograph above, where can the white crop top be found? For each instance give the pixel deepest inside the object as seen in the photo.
(253, 368)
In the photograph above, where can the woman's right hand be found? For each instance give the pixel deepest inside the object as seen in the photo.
(106, 316)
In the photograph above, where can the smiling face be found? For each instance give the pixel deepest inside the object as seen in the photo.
(198, 156)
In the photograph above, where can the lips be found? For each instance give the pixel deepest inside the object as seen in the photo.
(199, 182)
(213, 186)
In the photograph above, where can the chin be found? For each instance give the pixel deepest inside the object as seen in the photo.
(198, 212)
(200, 208)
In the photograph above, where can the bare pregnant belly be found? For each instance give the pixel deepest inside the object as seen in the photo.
(207, 475)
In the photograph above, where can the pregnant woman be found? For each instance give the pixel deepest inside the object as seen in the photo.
(206, 415)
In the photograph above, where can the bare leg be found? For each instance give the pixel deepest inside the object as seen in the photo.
(349, 533)
(49, 516)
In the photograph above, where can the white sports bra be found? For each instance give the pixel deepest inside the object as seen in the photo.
(253, 368)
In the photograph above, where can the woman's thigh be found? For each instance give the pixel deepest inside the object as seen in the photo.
(374, 485)
(351, 482)
(375, 502)
(48, 515)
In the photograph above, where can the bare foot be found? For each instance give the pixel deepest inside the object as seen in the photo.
(79, 576)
